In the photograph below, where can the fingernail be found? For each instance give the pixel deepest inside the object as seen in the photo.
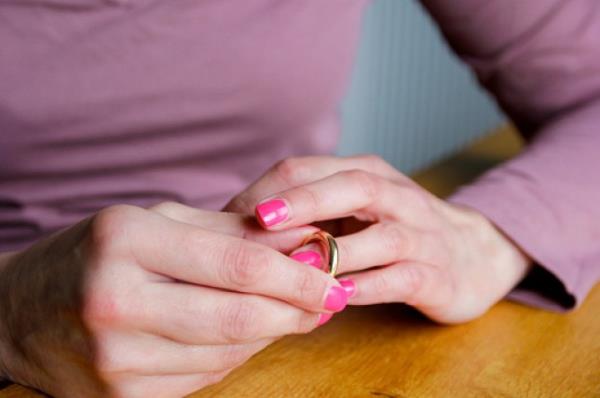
(272, 212)
(336, 299)
(324, 318)
(349, 286)
(308, 257)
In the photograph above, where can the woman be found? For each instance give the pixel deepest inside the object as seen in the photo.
(132, 116)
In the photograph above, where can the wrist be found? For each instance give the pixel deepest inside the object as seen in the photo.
(507, 262)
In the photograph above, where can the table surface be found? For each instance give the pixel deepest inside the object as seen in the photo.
(392, 351)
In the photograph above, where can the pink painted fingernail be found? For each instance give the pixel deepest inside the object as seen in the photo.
(336, 299)
(324, 318)
(272, 212)
(308, 257)
(349, 286)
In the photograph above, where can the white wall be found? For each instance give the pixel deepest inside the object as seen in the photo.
(410, 100)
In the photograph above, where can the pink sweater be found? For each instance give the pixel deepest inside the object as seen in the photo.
(140, 101)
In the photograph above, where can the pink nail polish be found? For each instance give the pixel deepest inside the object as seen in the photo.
(336, 299)
(272, 212)
(324, 318)
(349, 286)
(308, 257)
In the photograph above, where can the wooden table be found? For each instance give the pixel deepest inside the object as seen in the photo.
(391, 351)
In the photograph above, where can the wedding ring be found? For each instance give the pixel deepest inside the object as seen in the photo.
(329, 247)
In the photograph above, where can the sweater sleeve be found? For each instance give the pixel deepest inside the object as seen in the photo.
(541, 60)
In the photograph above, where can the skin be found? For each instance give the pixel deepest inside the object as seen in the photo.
(397, 242)
(160, 302)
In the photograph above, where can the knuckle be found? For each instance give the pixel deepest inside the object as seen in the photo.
(197, 237)
(212, 378)
(239, 322)
(191, 315)
(309, 288)
(380, 166)
(311, 200)
(306, 323)
(110, 226)
(396, 240)
(368, 184)
(412, 282)
(243, 203)
(231, 357)
(384, 286)
(167, 208)
(105, 301)
(244, 265)
(292, 171)
(105, 308)
(107, 359)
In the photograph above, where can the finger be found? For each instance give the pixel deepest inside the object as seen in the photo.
(416, 284)
(170, 386)
(203, 316)
(383, 244)
(232, 224)
(355, 192)
(309, 255)
(377, 245)
(293, 172)
(194, 255)
(144, 354)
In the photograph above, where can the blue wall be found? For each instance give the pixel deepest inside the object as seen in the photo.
(411, 100)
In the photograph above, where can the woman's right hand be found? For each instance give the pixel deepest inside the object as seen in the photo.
(159, 302)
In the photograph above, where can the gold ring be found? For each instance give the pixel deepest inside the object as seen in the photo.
(330, 248)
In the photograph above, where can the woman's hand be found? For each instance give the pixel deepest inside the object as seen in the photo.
(399, 243)
(160, 302)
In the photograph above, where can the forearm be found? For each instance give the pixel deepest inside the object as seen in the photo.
(541, 60)
(546, 201)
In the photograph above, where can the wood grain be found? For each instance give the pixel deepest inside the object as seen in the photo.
(391, 351)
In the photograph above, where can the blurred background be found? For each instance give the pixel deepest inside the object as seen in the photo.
(411, 100)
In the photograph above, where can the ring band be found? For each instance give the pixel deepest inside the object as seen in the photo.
(329, 246)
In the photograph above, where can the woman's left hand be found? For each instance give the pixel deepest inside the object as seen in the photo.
(447, 261)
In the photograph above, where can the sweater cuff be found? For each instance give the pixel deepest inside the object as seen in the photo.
(553, 283)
